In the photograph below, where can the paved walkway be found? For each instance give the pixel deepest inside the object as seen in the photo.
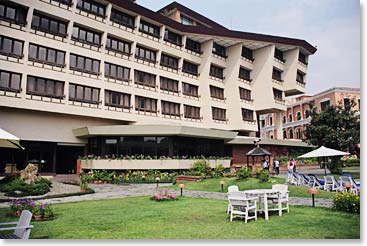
(110, 191)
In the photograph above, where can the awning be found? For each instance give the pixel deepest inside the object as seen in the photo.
(323, 152)
(8, 140)
(258, 151)
(153, 130)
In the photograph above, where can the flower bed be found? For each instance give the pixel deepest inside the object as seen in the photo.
(39, 210)
(17, 187)
(163, 195)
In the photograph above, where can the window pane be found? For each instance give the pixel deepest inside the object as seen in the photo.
(72, 61)
(96, 66)
(35, 21)
(32, 51)
(90, 37)
(6, 45)
(51, 56)
(18, 48)
(31, 84)
(41, 85)
(4, 79)
(62, 28)
(10, 13)
(95, 95)
(50, 86)
(71, 91)
(80, 62)
(88, 93)
(59, 89)
(60, 60)
(79, 92)
(82, 34)
(44, 23)
(75, 32)
(88, 64)
(42, 53)
(15, 81)
(53, 26)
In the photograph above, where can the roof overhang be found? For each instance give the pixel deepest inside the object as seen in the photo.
(153, 130)
(283, 142)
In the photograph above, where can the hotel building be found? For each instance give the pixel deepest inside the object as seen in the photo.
(297, 116)
(114, 78)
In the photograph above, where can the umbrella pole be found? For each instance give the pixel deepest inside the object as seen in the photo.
(325, 165)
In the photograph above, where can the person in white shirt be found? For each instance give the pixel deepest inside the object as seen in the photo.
(276, 166)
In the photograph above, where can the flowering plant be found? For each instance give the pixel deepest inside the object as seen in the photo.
(163, 195)
(347, 202)
(18, 205)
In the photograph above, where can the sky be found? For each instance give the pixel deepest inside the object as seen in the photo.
(331, 25)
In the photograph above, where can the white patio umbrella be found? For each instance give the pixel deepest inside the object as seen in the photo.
(8, 140)
(323, 152)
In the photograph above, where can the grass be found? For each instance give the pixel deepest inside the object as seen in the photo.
(187, 218)
(213, 185)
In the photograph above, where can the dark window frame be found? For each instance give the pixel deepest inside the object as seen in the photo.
(166, 82)
(38, 26)
(192, 112)
(172, 37)
(169, 61)
(300, 77)
(247, 53)
(190, 68)
(173, 108)
(48, 83)
(83, 100)
(244, 74)
(11, 53)
(219, 114)
(108, 72)
(17, 13)
(124, 19)
(92, 5)
(193, 46)
(217, 72)
(277, 75)
(149, 54)
(151, 77)
(302, 58)
(10, 87)
(46, 61)
(247, 114)
(278, 94)
(84, 69)
(153, 101)
(193, 90)
(120, 97)
(278, 54)
(219, 50)
(216, 92)
(153, 30)
(245, 94)
(87, 32)
(109, 45)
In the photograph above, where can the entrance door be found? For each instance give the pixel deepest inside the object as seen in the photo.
(66, 158)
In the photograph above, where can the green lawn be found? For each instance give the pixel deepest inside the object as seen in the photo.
(248, 184)
(187, 218)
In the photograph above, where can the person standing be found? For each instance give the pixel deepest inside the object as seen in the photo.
(290, 165)
(294, 165)
(264, 164)
(276, 166)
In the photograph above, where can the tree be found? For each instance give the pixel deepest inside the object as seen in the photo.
(336, 127)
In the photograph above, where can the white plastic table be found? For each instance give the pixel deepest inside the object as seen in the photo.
(263, 193)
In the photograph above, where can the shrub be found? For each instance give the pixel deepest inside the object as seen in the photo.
(347, 202)
(18, 188)
(263, 175)
(200, 168)
(243, 173)
(219, 170)
(163, 195)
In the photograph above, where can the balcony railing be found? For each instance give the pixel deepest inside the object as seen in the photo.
(301, 83)
(279, 101)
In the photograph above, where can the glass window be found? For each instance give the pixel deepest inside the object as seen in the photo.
(49, 24)
(32, 51)
(51, 55)
(42, 53)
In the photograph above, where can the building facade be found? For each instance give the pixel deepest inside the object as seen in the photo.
(73, 70)
(297, 116)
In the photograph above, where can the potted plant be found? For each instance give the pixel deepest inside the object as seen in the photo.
(83, 186)
(36, 211)
(47, 211)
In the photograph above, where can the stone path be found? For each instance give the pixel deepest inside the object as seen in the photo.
(110, 191)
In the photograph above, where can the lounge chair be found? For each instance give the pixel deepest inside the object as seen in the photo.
(331, 184)
(22, 228)
(293, 178)
(355, 186)
(242, 206)
(304, 179)
(315, 182)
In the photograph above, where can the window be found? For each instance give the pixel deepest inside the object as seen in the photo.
(325, 105)
(347, 104)
(186, 20)
(300, 77)
(270, 121)
(191, 112)
(117, 99)
(217, 92)
(278, 54)
(247, 114)
(91, 7)
(10, 81)
(45, 87)
(81, 93)
(190, 68)
(298, 134)
(307, 113)
(169, 61)
(122, 18)
(84, 64)
(291, 134)
(190, 90)
(13, 13)
(48, 24)
(118, 45)
(284, 134)
(149, 29)
(172, 37)
(11, 47)
(84, 35)
(277, 75)
(168, 84)
(170, 108)
(284, 119)
(245, 94)
(278, 94)
(46, 55)
(193, 46)
(216, 72)
(66, 2)
(219, 114)
(290, 118)
(302, 58)
(244, 74)
(116, 72)
(299, 116)
(247, 53)
(143, 78)
(145, 54)
(145, 104)
(219, 50)
(262, 123)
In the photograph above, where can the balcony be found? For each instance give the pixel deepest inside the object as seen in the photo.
(280, 101)
(126, 164)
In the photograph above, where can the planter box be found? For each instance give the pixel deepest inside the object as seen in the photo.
(147, 164)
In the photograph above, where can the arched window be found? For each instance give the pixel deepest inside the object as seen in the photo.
(290, 118)
(284, 119)
(307, 113)
(291, 134)
(284, 134)
(299, 116)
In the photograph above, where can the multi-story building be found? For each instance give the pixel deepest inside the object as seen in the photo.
(114, 78)
(297, 116)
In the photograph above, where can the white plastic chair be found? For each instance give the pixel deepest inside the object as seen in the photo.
(232, 188)
(22, 228)
(234, 193)
(331, 184)
(242, 207)
(280, 198)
